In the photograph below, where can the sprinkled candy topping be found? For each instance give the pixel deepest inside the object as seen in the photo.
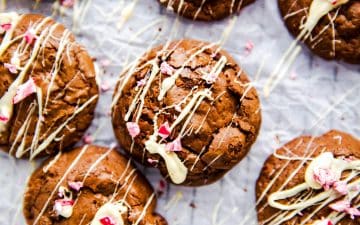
(323, 222)
(133, 128)
(30, 36)
(174, 146)
(4, 118)
(11, 67)
(24, 90)
(341, 187)
(6, 26)
(64, 207)
(164, 130)
(325, 177)
(76, 186)
(166, 69)
(107, 221)
(67, 3)
(345, 206)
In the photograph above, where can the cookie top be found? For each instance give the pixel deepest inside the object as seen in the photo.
(48, 89)
(89, 185)
(311, 181)
(206, 10)
(335, 30)
(188, 109)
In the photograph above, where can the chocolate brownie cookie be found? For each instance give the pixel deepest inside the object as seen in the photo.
(188, 109)
(311, 181)
(206, 9)
(90, 185)
(48, 90)
(330, 28)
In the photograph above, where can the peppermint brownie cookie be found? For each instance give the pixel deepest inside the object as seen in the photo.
(330, 28)
(311, 181)
(48, 90)
(90, 185)
(188, 109)
(206, 10)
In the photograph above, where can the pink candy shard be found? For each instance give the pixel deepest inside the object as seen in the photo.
(174, 146)
(107, 221)
(164, 130)
(340, 206)
(67, 3)
(133, 128)
(210, 78)
(76, 186)
(6, 26)
(29, 36)
(340, 187)
(249, 46)
(325, 177)
(63, 202)
(24, 90)
(141, 83)
(152, 161)
(87, 139)
(353, 212)
(11, 67)
(165, 68)
(4, 119)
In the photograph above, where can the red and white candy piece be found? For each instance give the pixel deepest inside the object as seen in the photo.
(325, 177)
(341, 187)
(166, 69)
(174, 146)
(11, 67)
(164, 130)
(76, 186)
(67, 3)
(64, 207)
(133, 128)
(107, 221)
(324, 222)
(24, 90)
(30, 36)
(6, 26)
(345, 206)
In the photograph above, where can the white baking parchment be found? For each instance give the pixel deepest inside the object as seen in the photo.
(313, 97)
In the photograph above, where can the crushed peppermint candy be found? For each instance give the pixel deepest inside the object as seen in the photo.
(164, 130)
(166, 69)
(105, 87)
(324, 222)
(325, 177)
(76, 186)
(334, 2)
(30, 36)
(152, 161)
(88, 139)
(107, 221)
(6, 26)
(64, 207)
(345, 206)
(4, 118)
(340, 187)
(141, 83)
(24, 90)
(67, 3)
(210, 78)
(249, 46)
(174, 146)
(133, 128)
(11, 67)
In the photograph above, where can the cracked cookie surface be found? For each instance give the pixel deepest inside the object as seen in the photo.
(214, 132)
(57, 112)
(336, 35)
(102, 177)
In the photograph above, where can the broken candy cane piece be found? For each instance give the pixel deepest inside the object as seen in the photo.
(174, 146)
(133, 128)
(107, 221)
(340, 206)
(11, 67)
(67, 3)
(324, 222)
(353, 212)
(325, 177)
(30, 36)
(6, 26)
(76, 186)
(340, 187)
(24, 90)
(64, 207)
(165, 68)
(164, 130)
